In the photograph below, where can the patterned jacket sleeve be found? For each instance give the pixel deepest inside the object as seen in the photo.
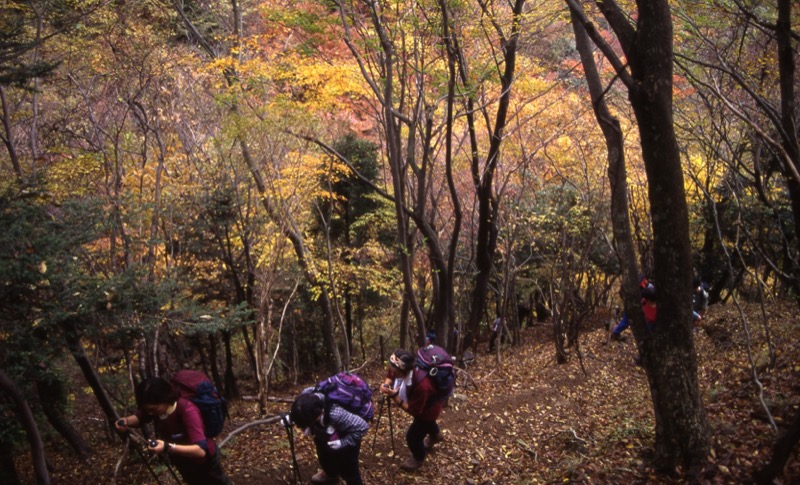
(351, 427)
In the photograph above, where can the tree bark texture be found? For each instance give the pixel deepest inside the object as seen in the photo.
(617, 173)
(789, 117)
(668, 353)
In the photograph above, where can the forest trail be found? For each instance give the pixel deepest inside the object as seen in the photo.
(528, 420)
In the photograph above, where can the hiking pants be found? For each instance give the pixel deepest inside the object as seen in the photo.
(622, 325)
(207, 473)
(342, 463)
(415, 437)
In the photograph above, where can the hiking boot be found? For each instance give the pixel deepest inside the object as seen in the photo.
(430, 441)
(617, 337)
(411, 464)
(322, 477)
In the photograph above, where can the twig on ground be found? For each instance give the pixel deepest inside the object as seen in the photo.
(270, 420)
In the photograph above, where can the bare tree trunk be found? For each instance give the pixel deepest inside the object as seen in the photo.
(50, 395)
(262, 352)
(251, 358)
(483, 177)
(617, 173)
(29, 423)
(404, 308)
(212, 357)
(8, 139)
(668, 352)
(231, 389)
(789, 118)
(76, 348)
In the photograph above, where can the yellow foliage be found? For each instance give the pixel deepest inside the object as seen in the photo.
(74, 176)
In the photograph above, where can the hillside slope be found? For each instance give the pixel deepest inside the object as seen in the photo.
(529, 420)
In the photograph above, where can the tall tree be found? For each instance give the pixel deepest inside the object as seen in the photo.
(483, 172)
(668, 353)
(270, 199)
(617, 172)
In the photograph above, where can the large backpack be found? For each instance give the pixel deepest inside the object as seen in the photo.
(348, 391)
(437, 364)
(198, 388)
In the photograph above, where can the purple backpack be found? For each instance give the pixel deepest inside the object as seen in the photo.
(437, 364)
(350, 392)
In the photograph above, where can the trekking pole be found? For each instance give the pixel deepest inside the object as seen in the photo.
(146, 463)
(153, 444)
(295, 467)
(391, 426)
(127, 435)
(378, 422)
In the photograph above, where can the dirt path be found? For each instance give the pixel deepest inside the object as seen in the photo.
(509, 427)
(526, 420)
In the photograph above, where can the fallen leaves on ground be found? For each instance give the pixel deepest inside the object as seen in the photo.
(528, 420)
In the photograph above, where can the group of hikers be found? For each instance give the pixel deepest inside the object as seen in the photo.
(336, 414)
(188, 413)
(647, 291)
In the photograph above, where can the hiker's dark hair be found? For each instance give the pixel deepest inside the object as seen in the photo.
(155, 390)
(306, 409)
(404, 356)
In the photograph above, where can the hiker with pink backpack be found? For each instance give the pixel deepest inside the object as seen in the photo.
(420, 386)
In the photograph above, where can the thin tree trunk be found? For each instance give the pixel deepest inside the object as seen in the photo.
(231, 389)
(8, 139)
(76, 348)
(25, 416)
(212, 357)
(249, 347)
(50, 395)
(617, 173)
(483, 178)
(262, 353)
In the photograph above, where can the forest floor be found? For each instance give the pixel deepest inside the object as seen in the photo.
(528, 420)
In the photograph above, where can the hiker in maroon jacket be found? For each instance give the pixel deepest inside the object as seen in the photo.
(414, 392)
(180, 426)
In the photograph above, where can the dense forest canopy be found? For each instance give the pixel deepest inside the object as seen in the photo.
(273, 190)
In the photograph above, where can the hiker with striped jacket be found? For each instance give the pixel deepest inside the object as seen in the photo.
(337, 435)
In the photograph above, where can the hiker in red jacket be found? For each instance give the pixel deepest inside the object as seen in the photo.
(180, 426)
(414, 392)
